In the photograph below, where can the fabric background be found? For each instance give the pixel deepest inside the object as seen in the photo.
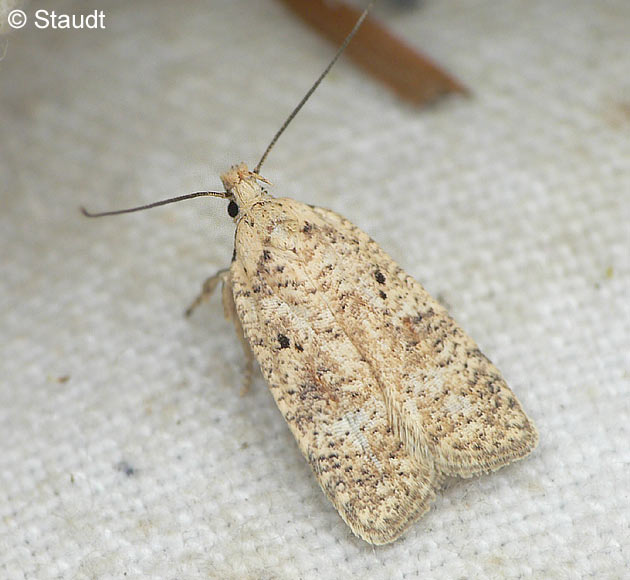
(126, 450)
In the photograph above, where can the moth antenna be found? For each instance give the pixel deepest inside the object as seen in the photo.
(315, 85)
(256, 171)
(222, 194)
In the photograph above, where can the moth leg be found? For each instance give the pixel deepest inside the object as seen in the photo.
(229, 309)
(208, 288)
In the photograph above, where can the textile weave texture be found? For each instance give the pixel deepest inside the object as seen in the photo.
(126, 448)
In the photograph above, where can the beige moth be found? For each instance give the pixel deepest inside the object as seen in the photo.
(385, 394)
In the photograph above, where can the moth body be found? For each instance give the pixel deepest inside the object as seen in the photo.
(385, 394)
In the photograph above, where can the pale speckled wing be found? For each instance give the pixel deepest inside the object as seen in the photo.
(323, 385)
(383, 391)
(446, 399)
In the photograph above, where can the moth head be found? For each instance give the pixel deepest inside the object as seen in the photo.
(242, 188)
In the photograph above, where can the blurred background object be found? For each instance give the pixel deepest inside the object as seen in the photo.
(411, 75)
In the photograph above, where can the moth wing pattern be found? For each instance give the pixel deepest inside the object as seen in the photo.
(382, 390)
(446, 398)
(328, 396)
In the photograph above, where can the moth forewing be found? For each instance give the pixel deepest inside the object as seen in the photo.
(383, 391)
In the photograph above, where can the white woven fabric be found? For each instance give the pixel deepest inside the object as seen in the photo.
(126, 449)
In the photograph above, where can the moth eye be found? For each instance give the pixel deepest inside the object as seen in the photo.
(232, 208)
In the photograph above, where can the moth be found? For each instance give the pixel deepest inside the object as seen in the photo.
(385, 394)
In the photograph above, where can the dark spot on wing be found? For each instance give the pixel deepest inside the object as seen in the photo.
(283, 340)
